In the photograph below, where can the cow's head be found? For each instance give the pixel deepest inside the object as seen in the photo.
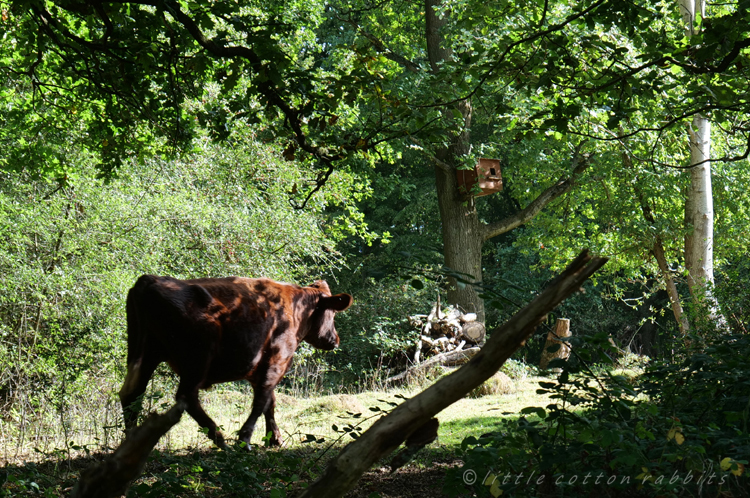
(322, 333)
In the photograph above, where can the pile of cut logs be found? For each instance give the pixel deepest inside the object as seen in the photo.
(444, 331)
(447, 336)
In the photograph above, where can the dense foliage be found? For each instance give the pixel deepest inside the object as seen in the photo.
(679, 430)
(71, 251)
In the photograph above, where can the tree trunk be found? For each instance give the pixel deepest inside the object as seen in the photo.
(699, 205)
(462, 235)
(462, 243)
(562, 329)
(700, 209)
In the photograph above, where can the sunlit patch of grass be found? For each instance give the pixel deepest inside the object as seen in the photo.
(91, 421)
(186, 456)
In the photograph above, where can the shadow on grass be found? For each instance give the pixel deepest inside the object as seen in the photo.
(207, 472)
(210, 472)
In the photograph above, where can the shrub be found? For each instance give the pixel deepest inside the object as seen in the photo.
(70, 252)
(681, 431)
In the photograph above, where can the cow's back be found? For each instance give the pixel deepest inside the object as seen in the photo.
(258, 325)
(231, 324)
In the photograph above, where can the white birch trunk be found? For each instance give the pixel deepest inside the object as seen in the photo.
(699, 205)
(688, 8)
(700, 208)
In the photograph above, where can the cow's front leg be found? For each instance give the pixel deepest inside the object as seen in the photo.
(271, 422)
(188, 391)
(264, 381)
(263, 398)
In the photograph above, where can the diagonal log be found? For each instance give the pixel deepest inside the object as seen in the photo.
(112, 477)
(389, 432)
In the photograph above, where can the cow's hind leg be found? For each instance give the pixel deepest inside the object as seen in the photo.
(188, 391)
(136, 382)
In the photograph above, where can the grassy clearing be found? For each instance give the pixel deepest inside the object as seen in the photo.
(52, 448)
(92, 420)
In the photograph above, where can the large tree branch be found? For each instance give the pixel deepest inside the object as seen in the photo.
(580, 163)
(112, 477)
(390, 431)
(379, 46)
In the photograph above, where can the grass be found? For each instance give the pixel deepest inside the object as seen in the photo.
(54, 446)
(298, 417)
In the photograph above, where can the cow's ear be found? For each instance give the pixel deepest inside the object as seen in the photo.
(339, 302)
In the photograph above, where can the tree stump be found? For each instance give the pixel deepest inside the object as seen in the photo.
(562, 329)
(474, 332)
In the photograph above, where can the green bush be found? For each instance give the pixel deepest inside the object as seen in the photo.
(682, 430)
(69, 252)
(376, 338)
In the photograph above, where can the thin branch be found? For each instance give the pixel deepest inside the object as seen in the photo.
(621, 140)
(441, 164)
(529, 39)
(319, 182)
(380, 47)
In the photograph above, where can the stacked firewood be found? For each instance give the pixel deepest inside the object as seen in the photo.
(446, 330)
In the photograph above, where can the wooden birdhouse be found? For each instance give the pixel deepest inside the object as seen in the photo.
(486, 174)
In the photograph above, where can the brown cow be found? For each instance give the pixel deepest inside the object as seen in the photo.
(213, 330)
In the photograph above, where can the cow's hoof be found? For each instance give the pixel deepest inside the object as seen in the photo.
(244, 445)
(219, 441)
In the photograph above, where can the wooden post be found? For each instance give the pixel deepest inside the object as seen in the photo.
(562, 329)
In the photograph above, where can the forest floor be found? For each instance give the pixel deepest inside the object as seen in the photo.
(186, 464)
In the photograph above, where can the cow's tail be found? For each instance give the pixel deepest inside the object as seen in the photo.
(136, 334)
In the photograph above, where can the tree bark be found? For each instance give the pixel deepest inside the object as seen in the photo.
(562, 329)
(463, 233)
(389, 432)
(462, 243)
(462, 239)
(700, 209)
(699, 205)
(674, 296)
(112, 477)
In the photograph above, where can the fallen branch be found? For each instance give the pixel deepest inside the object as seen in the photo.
(112, 477)
(389, 432)
(449, 358)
